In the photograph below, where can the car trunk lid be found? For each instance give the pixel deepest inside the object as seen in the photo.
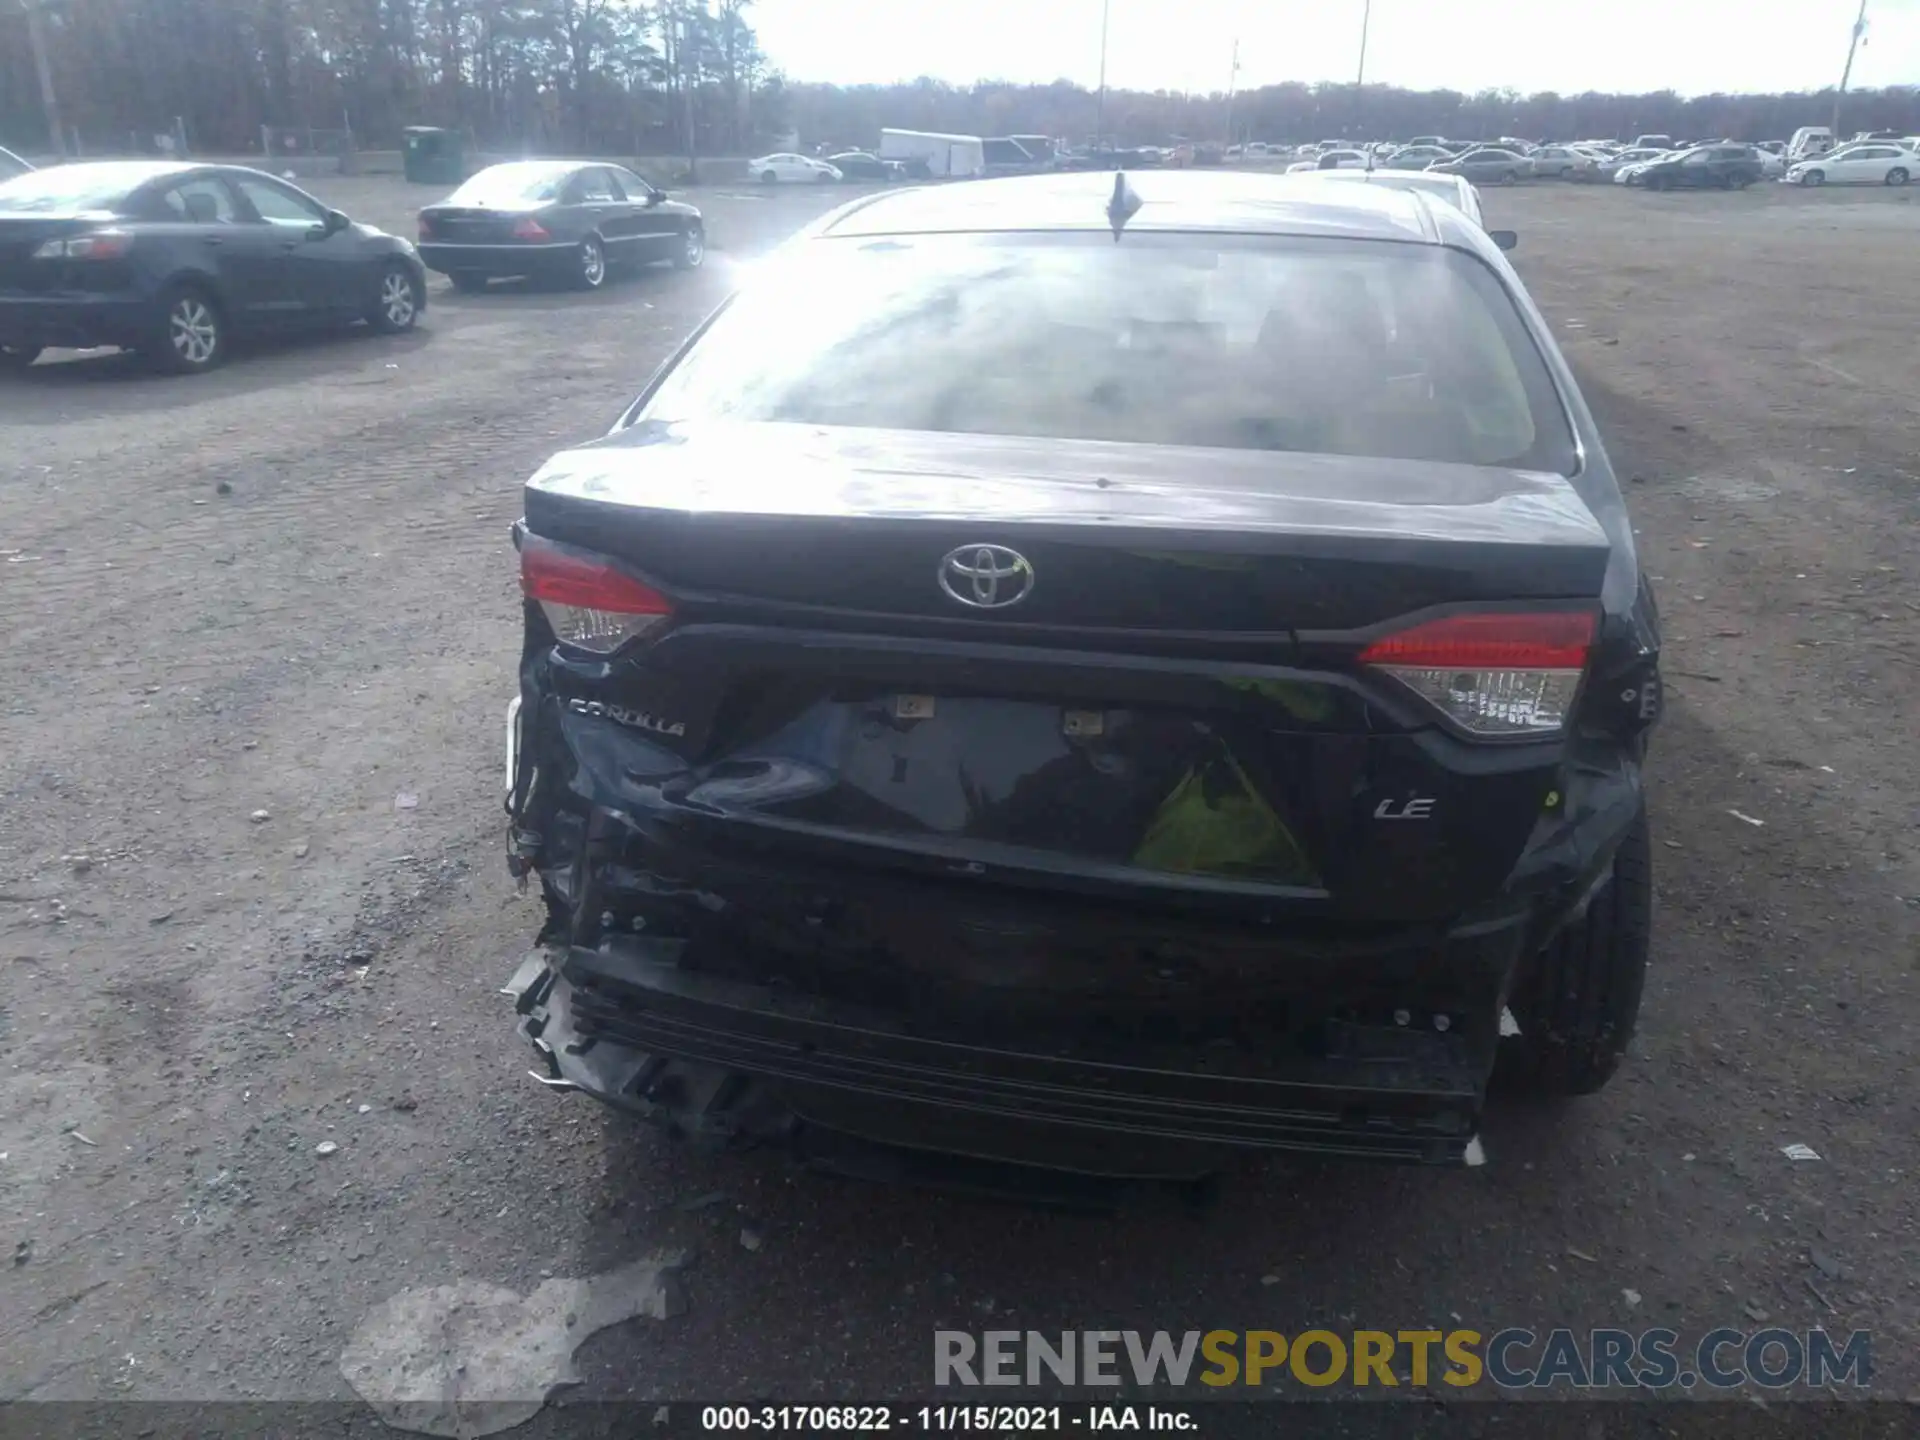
(471, 225)
(1177, 707)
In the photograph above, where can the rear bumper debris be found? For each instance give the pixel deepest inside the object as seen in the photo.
(723, 1060)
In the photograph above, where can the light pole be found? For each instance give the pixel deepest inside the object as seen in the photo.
(1100, 105)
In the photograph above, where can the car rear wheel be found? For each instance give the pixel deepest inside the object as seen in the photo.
(193, 334)
(468, 282)
(1577, 1002)
(767, 177)
(693, 249)
(1897, 176)
(396, 303)
(1507, 177)
(824, 178)
(18, 357)
(591, 267)
(1814, 177)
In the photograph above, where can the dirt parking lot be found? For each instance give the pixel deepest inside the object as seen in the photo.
(260, 631)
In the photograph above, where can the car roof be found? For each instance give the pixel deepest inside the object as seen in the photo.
(1169, 201)
(536, 167)
(128, 172)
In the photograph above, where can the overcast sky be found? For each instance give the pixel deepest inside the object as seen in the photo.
(1693, 46)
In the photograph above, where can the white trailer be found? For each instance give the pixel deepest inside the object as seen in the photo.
(954, 157)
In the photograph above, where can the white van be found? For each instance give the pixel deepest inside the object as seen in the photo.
(1808, 141)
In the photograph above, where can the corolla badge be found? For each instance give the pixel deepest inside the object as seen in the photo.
(986, 577)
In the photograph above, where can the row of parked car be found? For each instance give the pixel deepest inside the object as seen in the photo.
(174, 260)
(1654, 162)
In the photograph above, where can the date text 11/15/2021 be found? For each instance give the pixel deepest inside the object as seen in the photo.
(945, 1419)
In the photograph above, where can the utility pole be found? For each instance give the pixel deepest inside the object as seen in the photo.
(1233, 81)
(37, 42)
(1100, 106)
(1859, 28)
(1360, 80)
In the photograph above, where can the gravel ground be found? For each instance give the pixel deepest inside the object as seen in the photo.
(259, 637)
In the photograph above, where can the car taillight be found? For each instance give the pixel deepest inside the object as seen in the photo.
(100, 245)
(426, 226)
(588, 601)
(528, 228)
(1492, 674)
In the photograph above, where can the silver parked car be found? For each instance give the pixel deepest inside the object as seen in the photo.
(1562, 162)
(1488, 165)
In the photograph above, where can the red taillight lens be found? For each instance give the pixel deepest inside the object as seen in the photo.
(588, 601)
(100, 245)
(1493, 674)
(528, 228)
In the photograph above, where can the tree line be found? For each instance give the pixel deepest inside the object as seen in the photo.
(1298, 113)
(615, 75)
(664, 76)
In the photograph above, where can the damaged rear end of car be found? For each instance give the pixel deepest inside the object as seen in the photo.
(1021, 776)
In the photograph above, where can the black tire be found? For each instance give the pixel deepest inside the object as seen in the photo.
(18, 357)
(190, 331)
(825, 179)
(1577, 1002)
(468, 282)
(590, 263)
(1814, 177)
(768, 177)
(396, 301)
(692, 249)
(1897, 175)
(1507, 177)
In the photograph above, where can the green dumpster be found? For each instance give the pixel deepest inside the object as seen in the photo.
(434, 156)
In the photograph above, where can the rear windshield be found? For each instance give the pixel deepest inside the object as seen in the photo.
(511, 185)
(1336, 347)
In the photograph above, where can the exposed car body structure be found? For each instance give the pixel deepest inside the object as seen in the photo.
(1046, 676)
(172, 259)
(566, 220)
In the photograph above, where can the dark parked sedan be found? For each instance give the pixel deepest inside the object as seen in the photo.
(860, 165)
(1716, 167)
(170, 259)
(563, 220)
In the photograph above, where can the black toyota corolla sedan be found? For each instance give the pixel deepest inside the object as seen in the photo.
(172, 260)
(1093, 673)
(561, 220)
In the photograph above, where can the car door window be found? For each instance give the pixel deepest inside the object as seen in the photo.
(280, 206)
(592, 187)
(204, 200)
(633, 185)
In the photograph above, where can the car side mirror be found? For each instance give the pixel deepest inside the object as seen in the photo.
(1505, 239)
(655, 195)
(336, 221)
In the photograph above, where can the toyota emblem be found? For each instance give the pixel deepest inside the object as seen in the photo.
(986, 577)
